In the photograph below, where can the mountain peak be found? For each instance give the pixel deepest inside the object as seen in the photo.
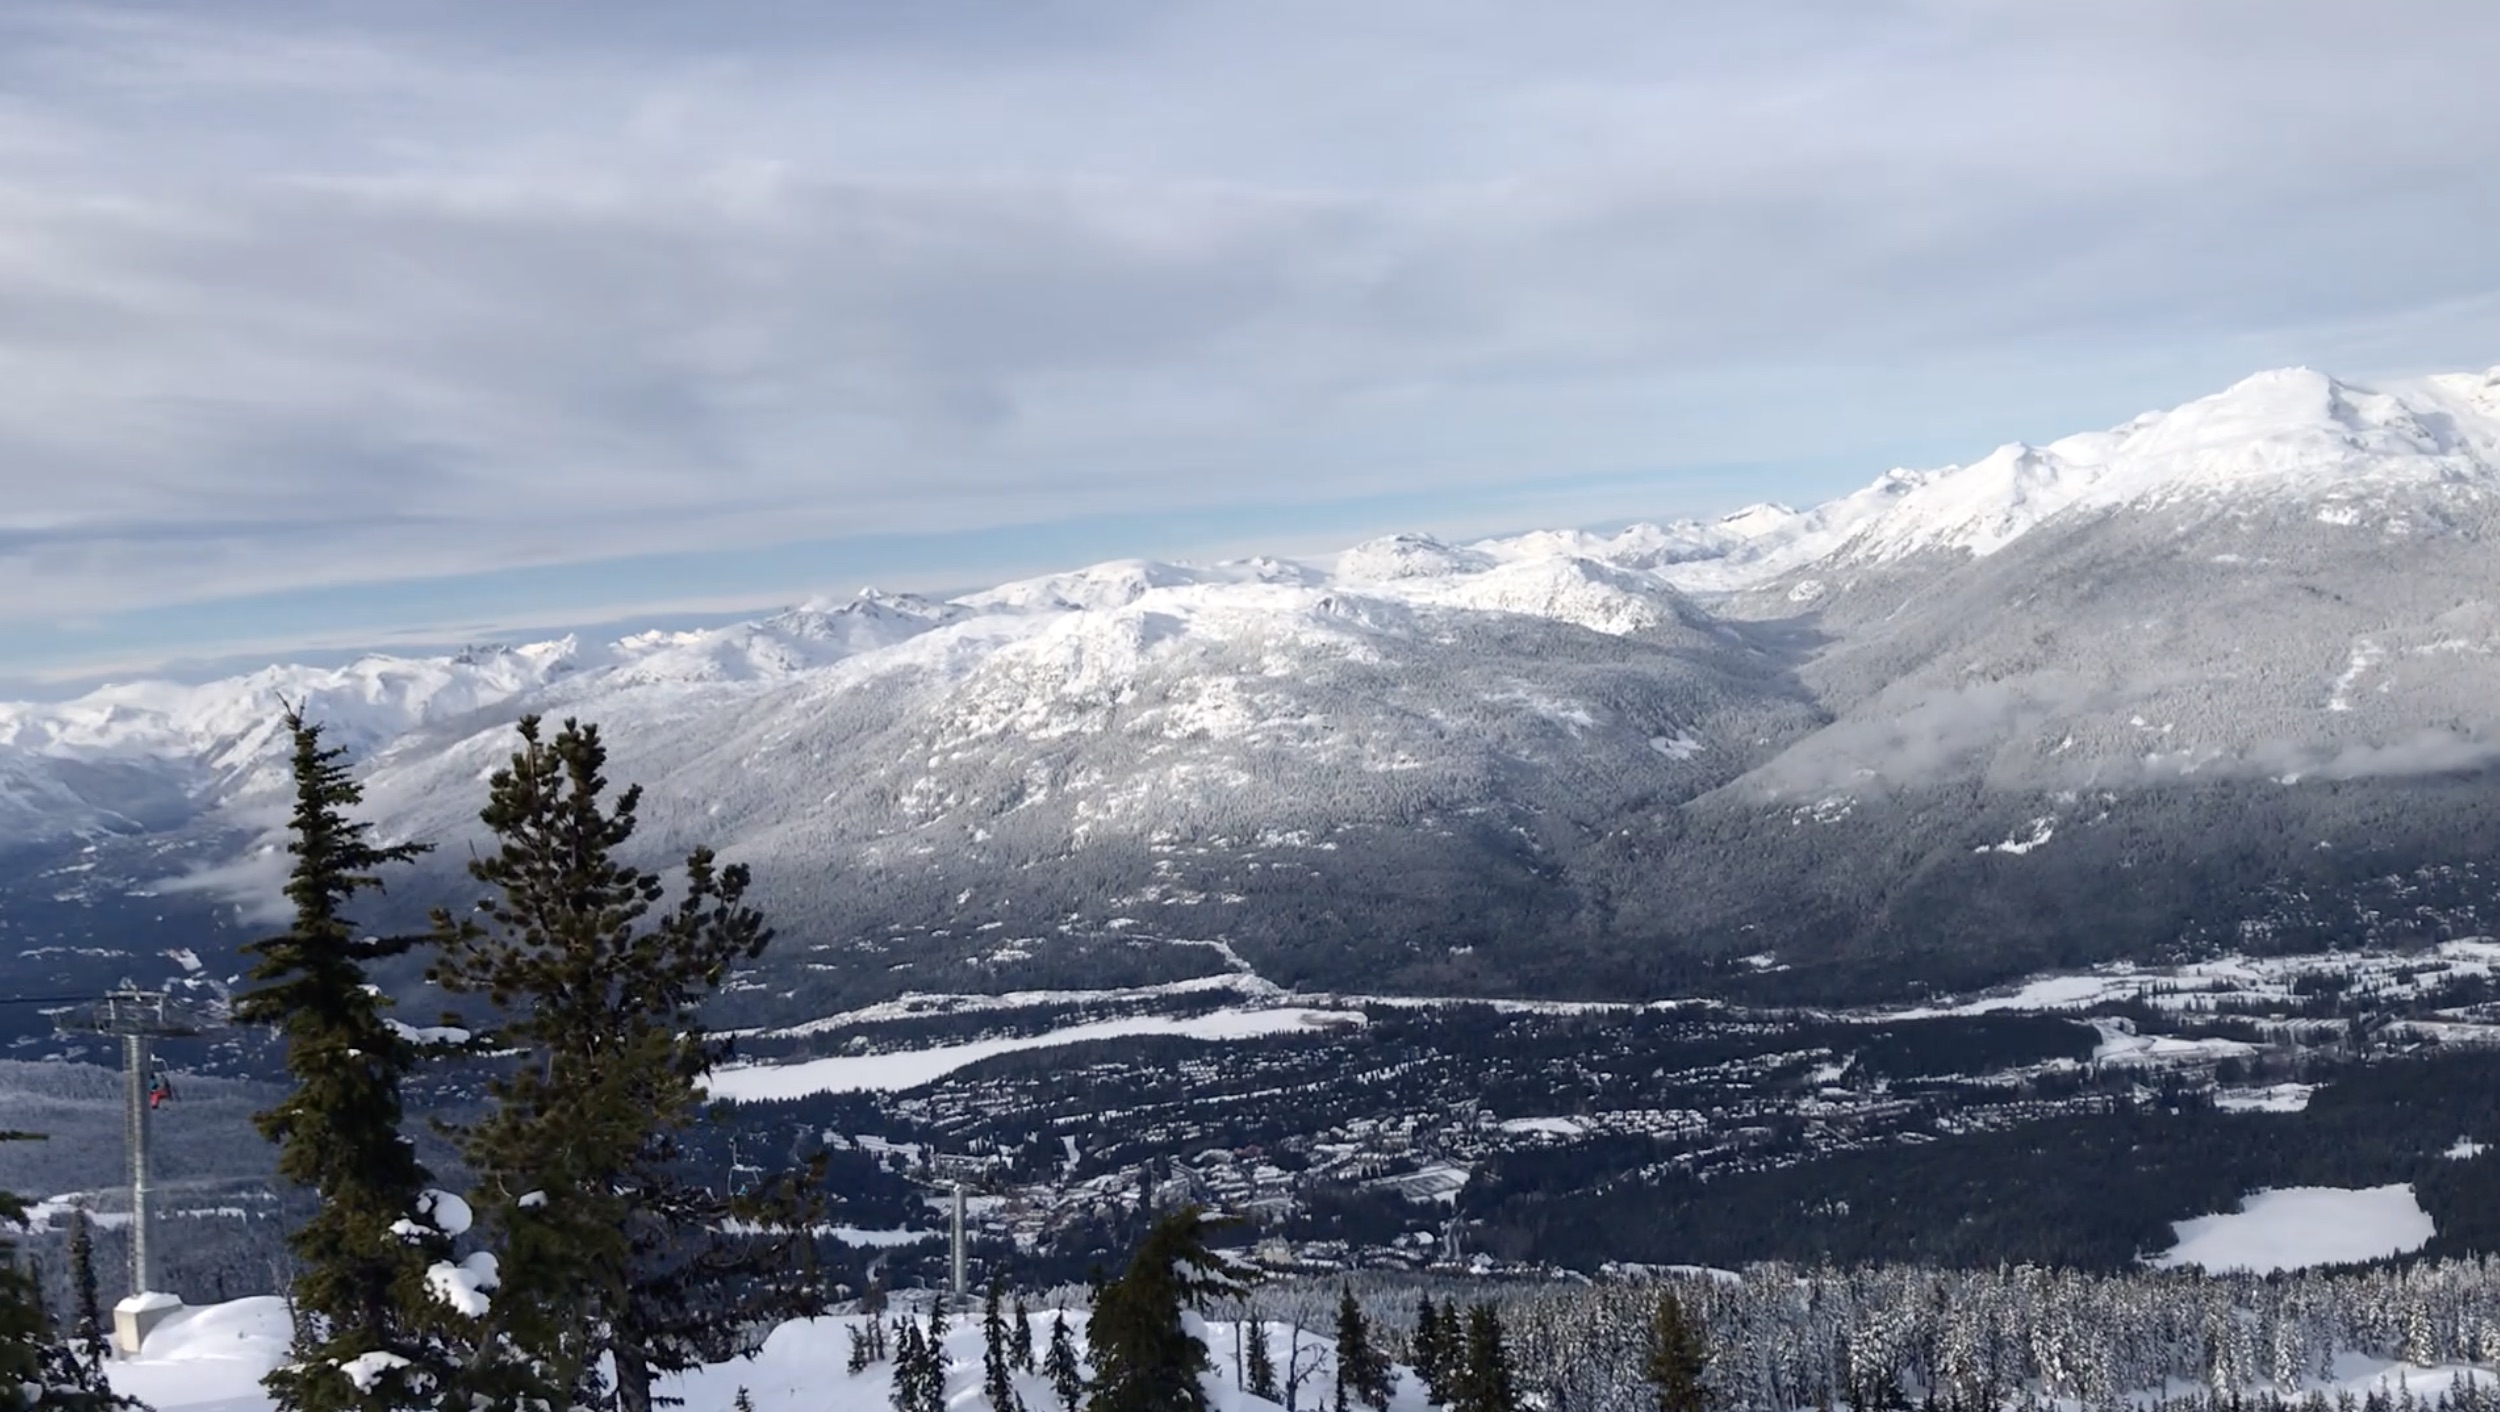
(2291, 432)
(1407, 556)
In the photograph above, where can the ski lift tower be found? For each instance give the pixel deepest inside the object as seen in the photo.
(138, 1017)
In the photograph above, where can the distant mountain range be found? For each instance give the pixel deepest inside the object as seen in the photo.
(2224, 675)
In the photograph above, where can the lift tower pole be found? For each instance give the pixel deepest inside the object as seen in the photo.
(137, 1017)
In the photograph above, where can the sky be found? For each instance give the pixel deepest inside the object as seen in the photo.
(332, 326)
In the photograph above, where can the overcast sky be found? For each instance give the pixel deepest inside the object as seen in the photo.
(345, 324)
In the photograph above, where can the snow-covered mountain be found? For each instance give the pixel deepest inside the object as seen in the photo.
(1563, 760)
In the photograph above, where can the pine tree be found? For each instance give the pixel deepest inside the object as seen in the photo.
(1363, 1371)
(1427, 1355)
(1485, 1380)
(1678, 1356)
(936, 1362)
(863, 1345)
(872, 1304)
(1060, 1365)
(88, 1333)
(37, 1369)
(361, 1258)
(907, 1394)
(996, 1358)
(607, 1247)
(1145, 1359)
(1262, 1359)
(1020, 1337)
(929, 1363)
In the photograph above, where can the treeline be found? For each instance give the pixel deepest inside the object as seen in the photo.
(1784, 1336)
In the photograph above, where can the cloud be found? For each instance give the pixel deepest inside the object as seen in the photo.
(294, 296)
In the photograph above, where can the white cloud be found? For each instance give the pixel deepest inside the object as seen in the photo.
(284, 301)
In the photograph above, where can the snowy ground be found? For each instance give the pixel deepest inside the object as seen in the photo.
(212, 1360)
(2298, 1227)
(904, 1069)
(2275, 1098)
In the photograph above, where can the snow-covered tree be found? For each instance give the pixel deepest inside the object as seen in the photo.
(996, 1359)
(1061, 1366)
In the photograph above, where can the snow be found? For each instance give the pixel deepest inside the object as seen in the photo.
(464, 1286)
(1048, 658)
(861, 1239)
(2045, 993)
(906, 1069)
(143, 1303)
(916, 1004)
(2290, 433)
(1550, 1127)
(212, 1360)
(1440, 1182)
(801, 1369)
(2121, 1045)
(2294, 1228)
(2280, 1098)
(365, 1369)
(2042, 829)
(424, 1035)
(2464, 1148)
(447, 1210)
(208, 1359)
(42, 1214)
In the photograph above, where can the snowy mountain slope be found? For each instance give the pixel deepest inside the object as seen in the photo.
(1938, 710)
(2391, 459)
(1180, 765)
(2292, 579)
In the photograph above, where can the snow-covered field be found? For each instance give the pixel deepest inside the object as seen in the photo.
(2198, 985)
(2297, 1227)
(903, 1069)
(212, 1359)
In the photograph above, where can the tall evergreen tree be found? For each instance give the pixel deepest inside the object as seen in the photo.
(1363, 1370)
(1261, 1358)
(1427, 1347)
(608, 1248)
(361, 1258)
(1060, 1366)
(863, 1346)
(1485, 1380)
(909, 1393)
(1020, 1337)
(1145, 1358)
(996, 1358)
(1679, 1354)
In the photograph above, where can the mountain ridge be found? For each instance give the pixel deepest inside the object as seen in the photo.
(1544, 761)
